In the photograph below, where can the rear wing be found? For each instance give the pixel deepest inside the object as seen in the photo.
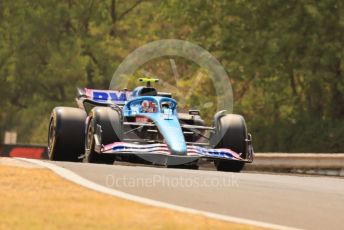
(96, 97)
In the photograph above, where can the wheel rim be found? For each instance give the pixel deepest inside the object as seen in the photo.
(89, 140)
(51, 138)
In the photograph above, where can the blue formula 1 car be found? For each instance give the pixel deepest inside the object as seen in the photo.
(144, 126)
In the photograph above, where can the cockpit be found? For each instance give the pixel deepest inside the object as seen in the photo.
(150, 105)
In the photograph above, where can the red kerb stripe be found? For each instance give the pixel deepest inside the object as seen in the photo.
(27, 152)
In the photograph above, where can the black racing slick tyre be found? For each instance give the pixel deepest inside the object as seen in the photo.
(231, 133)
(111, 127)
(66, 135)
(190, 119)
(185, 118)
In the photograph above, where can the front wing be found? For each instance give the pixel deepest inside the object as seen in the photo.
(162, 149)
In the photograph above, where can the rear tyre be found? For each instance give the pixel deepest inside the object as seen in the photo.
(192, 165)
(231, 133)
(190, 119)
(66, 134)
(185, 118)
(111, 125)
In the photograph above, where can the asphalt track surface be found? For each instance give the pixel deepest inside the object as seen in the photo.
(306, 202)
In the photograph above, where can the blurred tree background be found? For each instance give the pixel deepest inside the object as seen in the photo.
(285, 60)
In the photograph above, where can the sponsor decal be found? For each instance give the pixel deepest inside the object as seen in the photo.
(141, 119)
(108, 95)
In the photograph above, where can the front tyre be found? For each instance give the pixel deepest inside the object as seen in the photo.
(231, 133)
(66, 134)
(111, 126)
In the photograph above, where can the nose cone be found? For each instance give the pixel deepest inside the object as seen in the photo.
(174, 137)
(172, 133)
(178, 147)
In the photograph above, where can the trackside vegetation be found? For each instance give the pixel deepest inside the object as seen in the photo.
(285, 61)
